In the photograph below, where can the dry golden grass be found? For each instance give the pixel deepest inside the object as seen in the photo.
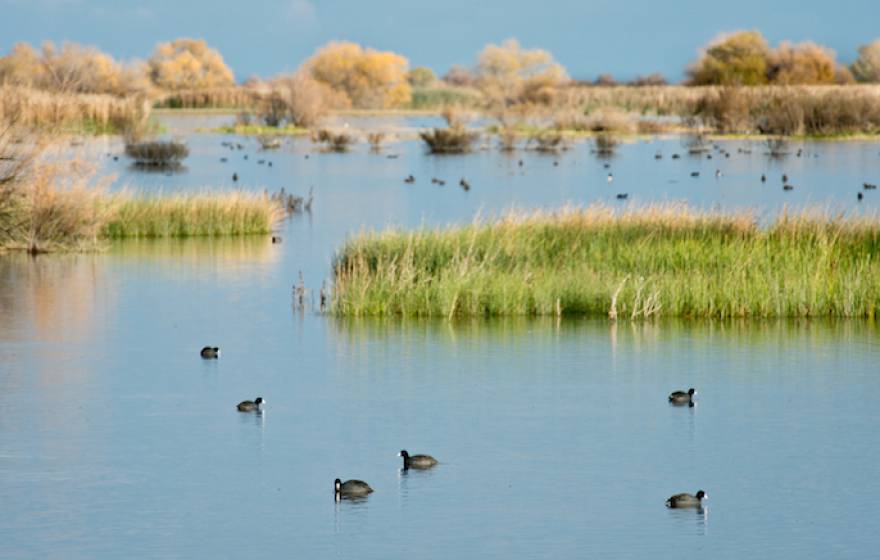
(72, 112)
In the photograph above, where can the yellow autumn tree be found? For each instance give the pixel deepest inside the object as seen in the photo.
(70, 68)
(736, 59)
(511, 73)
(188, 64)
(802, 63)
(368, 78)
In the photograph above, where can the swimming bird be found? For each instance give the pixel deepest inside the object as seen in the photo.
(251, 406)
(683, 397)
(787, 187)
(555, 164)
(464, 184)
(350, 489)
(276, 239)
(223, 160)
(717, 173)
(606, 165)
(416, 461)
(270, 164)
(784, 178)
(622, 196)
(708, 156)
(520, 163)
(675, 156)
(235, 177)
(391, 156)
(869, 186)
(261, 161)
(695, 173)
(409, 179)
(860, 196)
(658, 155)
(437, 181)
(610, 178)
(763, 178)
(210, 353)
(687, 500)
(245, 156)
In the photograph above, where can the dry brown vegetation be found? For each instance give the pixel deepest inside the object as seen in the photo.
(455, 139)
(90, 112)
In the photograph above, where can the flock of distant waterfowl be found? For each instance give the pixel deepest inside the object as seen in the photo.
(356, 489)
(465, 185)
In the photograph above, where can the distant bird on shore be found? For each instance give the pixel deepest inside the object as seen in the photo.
(464, 184)
(687, 500)
(409, 179)
(251, 406)
(210, 353)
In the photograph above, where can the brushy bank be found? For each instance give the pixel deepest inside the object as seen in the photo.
(665, 260)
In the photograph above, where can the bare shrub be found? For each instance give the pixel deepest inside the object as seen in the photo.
(333, 141)
(156, 153)
(452, 140)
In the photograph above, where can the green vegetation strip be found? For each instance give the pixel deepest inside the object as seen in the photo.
(234, 213)
(633, 263)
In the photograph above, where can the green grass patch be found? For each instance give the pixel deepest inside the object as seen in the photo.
(633, 263)
(261, 130)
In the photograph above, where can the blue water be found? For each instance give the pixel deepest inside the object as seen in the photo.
(555, 437)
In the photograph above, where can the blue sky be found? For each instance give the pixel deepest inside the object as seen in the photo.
(267, 37)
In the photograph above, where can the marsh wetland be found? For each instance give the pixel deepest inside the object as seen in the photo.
(554, 434)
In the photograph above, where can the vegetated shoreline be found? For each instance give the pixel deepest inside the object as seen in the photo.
(636, 263)
(46, 219)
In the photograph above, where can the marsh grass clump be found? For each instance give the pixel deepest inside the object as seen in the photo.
(777, 147)
(455, 139)
(636, 263)
(189, 215)
(333, 141)
(156, 153)
(376, 139)
(604, 144)
(547, 141)
(697, 143)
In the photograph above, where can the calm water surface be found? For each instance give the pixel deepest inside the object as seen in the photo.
(555, 438)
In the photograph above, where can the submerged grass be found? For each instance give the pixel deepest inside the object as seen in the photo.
(667, 260)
